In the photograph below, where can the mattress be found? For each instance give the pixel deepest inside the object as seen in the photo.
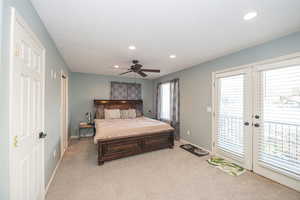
(107, 129)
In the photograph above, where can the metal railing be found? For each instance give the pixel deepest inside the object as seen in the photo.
(277, 139)
(281, 140)
(231, 134)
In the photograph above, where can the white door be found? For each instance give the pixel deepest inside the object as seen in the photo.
(232, 116)
(26, 112)
(277, 122)
(64, 113)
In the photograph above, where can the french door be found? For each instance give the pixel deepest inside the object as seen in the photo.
(233, 115)
(257, 119)
(276, 121)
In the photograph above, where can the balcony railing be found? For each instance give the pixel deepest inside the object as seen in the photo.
(231, 134)
(278, 140)
(281, 140)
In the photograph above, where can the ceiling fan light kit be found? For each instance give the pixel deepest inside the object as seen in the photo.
(137, 68)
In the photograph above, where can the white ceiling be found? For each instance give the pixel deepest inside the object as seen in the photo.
(94, 35)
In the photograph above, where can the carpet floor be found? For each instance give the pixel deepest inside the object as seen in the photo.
(170, 174)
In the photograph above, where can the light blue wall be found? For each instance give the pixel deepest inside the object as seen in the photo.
(195, 85)
(87, 87)
(195, 88)
(55, 62)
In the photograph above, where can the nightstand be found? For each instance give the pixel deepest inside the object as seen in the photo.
(86, 127)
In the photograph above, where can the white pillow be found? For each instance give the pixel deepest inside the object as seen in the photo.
(124, 114)
(131, 113)
(112, 113)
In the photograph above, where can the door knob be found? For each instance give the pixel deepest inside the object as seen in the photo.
(42, 135)
(256, 125)
(246, 123)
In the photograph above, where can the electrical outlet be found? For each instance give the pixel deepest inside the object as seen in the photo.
(188, 132)
(54, 153)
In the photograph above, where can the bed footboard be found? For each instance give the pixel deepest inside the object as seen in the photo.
(118, 148)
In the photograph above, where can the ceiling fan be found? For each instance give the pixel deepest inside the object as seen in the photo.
(137, 68)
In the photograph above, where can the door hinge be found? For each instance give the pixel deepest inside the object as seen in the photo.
(17, 52)
(15, 142)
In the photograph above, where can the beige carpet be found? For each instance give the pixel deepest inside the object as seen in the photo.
(161, 175)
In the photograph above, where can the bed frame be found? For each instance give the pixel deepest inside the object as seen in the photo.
(115, 148)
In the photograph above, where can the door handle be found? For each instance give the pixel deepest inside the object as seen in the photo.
(246, 123)
(256, 125)
(42, 135)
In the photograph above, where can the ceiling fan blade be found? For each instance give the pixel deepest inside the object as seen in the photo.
(142, 73)
(151, 70)
(126, 72)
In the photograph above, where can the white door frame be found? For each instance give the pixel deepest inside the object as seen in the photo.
(64, 133)
(17, 18)
(269, 171)
(229, 69)
(254, 67)
(246, 163)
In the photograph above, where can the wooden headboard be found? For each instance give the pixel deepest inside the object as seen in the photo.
(117, 104)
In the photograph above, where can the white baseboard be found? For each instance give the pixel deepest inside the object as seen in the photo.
(53, 175)
(185, 141)
(76, 136)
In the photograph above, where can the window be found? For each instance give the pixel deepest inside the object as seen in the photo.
(165, 101)
(230, 115)
(167, 104)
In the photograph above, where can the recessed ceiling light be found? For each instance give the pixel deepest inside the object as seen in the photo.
(172, 56)
(116, 66)
(250, 15)
(131, 47)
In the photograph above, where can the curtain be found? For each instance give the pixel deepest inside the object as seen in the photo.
(174, 105)
(158, 101)
(125, 91)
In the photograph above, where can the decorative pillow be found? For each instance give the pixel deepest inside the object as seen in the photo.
(139, 110)
(112, 113)
(131, 113)
(99, 112)
(124, 114)
(138, 113)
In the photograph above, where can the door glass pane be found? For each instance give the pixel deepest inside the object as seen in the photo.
(230, 133)
(280, 128)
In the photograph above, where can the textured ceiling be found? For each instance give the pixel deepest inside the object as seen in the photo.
(93, 36)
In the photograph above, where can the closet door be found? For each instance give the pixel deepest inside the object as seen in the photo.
(276, 121)
(232, 116)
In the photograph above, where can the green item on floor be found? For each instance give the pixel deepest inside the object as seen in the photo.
(228, 167)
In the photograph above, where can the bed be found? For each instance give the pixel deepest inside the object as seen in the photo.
(118, 138)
